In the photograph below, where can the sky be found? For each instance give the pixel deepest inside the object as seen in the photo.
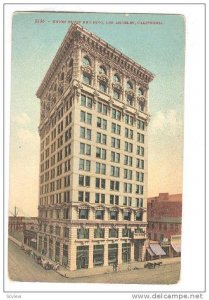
(159, 48)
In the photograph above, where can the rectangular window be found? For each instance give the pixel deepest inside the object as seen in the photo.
(140, 137)
(114, 199)
(100, 168)
(85, 133)
(140, 124)
(116, 114)
(115, 157)
(99, 233)
(86, 101)
(127, 215)
(100, 183)
(82, 233)
(116, 128)
(140, 176)
(85, 117)
(100, 153)
(139, 189)
(114, 171)
(83, 214)
(129, 120)
(127, 201)
(99, 198)
(113, 215)
(128, 133)
(128, 174)
(102, 123)
(83, 196)
(127, 188)
(87, 79)
(102, 108)
(114, 185)
(128, 147)
(66, 232)
(98, 255)
(140, 150)
(101, 138)
(139, 163)
(84, 165)
(113, 233)
(139, 202)
(115, 143)
(85, 149)
(99, 214)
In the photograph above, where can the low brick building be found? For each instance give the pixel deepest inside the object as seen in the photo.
(164, 214)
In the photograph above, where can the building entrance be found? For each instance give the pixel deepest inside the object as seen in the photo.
(136, 251)
(112, 254)
(82, 257)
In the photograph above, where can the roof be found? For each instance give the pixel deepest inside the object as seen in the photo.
(69, 37)
(166, 197)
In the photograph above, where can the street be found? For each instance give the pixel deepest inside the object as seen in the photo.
(22, 267)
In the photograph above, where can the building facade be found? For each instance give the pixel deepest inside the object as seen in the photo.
(164, 214)
(93, 154)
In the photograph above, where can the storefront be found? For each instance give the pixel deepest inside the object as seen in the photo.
(98, 256)
(50, 248)
(65, 255)
(82, 257)
(30, 238)
(176, 245)
(57, 251)
(154, 251)
(126, 252)
(112, 253)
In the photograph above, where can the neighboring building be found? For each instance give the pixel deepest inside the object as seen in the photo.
(30, 232)
(164, 222)
(93, 156)
(16, 223)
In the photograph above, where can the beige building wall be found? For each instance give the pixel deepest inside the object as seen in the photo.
(60, 95)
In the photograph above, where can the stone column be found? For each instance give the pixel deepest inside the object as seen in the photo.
(91, 247)
(73, 249)
(119, 253)
(61, 251)
(132, 252)
(106, 248)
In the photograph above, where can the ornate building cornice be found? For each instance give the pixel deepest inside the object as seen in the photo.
(76, 37)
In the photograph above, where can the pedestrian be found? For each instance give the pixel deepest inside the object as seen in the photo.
(116, 267)
(113, 267)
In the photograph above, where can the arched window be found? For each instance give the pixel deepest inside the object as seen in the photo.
(116, 78)
(86, 61)
(129, 100)
(62, 76)
(129, 85)
(141, 92)
(87, 78)
(116, 94)
(70, 65)
(102, 70)
(102, 86)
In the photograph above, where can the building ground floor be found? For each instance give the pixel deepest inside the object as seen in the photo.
(85, 253)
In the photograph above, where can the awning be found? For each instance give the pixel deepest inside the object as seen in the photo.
(157, 249)
(150, 252)
(176, 247)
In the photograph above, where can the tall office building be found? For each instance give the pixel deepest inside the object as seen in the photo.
(93, 154)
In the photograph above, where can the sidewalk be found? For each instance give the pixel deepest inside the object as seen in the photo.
(99, 270)
(104, 270)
